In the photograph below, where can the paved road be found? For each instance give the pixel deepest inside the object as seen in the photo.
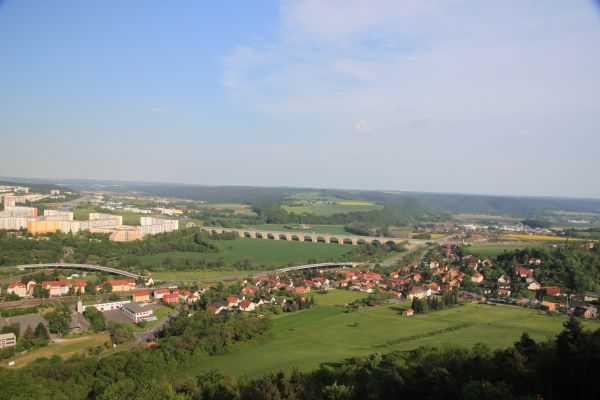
(142, 337)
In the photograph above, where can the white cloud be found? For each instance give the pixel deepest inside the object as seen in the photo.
(159, 110)
(523, 132)
(436, 76)
(362, 125)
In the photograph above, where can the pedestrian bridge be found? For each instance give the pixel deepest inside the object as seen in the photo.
(87, 267)
(311, 237)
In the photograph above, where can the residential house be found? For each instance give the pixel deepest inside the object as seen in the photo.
(159, 293)
(552, 291)
(232, 301)
(17, 288)
(477, 278)
(585, 311)
(246, 305)
(170, 298)
(121, 285)
(79, 286)
(417, 292)
(548, 306)
(56, 288)
(143, 295)
(301, 290)
(533, 285)
(434, 287)
(523, 272)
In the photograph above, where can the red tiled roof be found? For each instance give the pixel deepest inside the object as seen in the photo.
(245, 303)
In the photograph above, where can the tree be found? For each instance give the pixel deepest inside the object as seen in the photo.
(96, 318)
(41, 331)
(14, 328)
(120, 333)
(336, 391)
(59, 320)
(40, 293)
(107, 288)
(12, 297)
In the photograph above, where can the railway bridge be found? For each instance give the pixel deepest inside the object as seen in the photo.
(312, 237)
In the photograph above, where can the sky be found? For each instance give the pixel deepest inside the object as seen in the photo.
(464, 96)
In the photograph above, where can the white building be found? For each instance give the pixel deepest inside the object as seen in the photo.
(8, 340)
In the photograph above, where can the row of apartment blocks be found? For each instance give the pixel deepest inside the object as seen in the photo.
(16, 217)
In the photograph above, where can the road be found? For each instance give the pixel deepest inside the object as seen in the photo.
(142, 337)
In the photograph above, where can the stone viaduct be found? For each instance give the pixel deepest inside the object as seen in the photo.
(311, 237)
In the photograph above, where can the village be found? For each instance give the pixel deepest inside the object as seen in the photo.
(441, 272)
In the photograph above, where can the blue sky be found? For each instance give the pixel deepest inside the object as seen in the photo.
(497, 97)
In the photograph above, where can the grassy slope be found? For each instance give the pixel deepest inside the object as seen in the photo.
(268, 252)
(326, 334)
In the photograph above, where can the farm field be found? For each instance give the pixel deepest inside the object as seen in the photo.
(328, 334)
(535, 238)
(330, 229)
(66, 349)
(266, 252)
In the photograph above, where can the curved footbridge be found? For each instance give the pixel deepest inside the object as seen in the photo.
(313, 237)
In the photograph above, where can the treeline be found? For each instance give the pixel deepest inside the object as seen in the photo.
(97, 249)
(135, 374)
(435, 303)
(390, 215)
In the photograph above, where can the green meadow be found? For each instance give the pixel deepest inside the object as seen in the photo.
(329, 333)
(492, 250)
(260, 251)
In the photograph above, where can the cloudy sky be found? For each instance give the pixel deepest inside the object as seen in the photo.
(473, 96)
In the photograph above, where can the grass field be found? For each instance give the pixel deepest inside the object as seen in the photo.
(330, 209)
(327, 334)
(195, 275)
(492, 250)
(81, 213)
(66, 349)
(266, 252)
